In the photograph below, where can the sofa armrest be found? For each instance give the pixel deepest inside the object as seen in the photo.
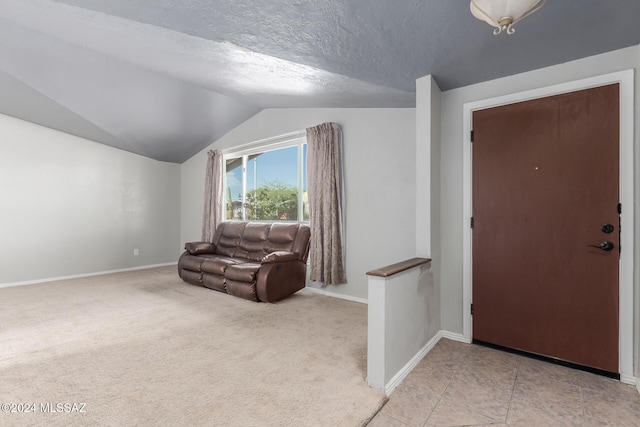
(276, 281)
(197, 248)
(279, 256)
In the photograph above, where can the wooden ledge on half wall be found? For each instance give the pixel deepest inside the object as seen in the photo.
(398, 267)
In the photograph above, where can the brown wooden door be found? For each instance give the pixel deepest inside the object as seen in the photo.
(545, 181)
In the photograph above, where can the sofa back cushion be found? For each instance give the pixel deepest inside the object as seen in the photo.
(300, 244)
(253, 243)
(281, 237)
(255, 240)
(227, 237)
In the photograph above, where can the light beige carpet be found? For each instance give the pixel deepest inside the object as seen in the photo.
(145, 348)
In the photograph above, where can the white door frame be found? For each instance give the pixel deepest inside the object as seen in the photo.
(626, 81)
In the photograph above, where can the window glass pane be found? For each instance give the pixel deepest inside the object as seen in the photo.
(273, 188)
(305, 195)
(272, 185)
(233, 196)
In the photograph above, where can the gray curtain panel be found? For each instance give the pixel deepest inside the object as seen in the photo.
(212, 215)
(326, 204)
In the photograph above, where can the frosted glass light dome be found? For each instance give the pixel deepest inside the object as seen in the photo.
(503, 14)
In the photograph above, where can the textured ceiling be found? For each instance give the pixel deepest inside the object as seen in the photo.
(165, 78)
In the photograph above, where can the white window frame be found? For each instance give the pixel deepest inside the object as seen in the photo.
(269, 144)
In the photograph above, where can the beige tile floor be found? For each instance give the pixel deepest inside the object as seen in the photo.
(459, 384)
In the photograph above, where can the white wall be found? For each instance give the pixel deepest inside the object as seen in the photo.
(401, 325)
(427, 199)
(379, 167)
(436, 194)
(70, 206)
(451, 165)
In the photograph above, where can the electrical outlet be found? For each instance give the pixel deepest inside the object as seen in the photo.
(136, 252)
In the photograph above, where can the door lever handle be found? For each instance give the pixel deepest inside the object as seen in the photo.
(604, 246)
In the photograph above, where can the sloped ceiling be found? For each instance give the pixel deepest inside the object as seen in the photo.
(165, 78)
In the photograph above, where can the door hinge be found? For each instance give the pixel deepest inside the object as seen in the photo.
(619, 208)
(471, 222)
(471, 136)
(472, 309)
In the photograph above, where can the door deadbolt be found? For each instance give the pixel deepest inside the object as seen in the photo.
(607, 228)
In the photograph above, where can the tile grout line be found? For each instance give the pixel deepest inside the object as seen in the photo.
(397, 419)
(491, 416)
(438, 402)
(513, 389)
(584, 414)
(445, 390)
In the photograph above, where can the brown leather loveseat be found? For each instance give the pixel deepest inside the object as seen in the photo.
(251, 260)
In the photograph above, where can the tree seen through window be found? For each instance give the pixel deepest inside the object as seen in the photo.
(267, 186)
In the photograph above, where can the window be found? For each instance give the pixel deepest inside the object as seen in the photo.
(267, 182)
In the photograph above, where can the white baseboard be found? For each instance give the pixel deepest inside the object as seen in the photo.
(336, 295)
(627, 379)
(455, 337)
(400, 376)
(77, 276)
(638, 386)
(402, 373)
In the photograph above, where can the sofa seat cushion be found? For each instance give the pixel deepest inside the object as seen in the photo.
(192, 262)
(245, 272)
(213, 281)
(218, 264)
(242, 289)
(193, 277)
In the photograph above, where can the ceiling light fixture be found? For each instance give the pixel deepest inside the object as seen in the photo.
(503, 14)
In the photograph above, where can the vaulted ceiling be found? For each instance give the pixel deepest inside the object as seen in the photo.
(165, 78)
